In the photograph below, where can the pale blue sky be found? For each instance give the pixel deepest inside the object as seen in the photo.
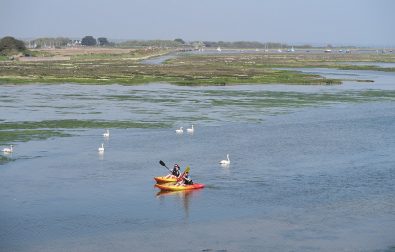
(358, 22)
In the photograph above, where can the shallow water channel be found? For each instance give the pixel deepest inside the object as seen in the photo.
(312, 167)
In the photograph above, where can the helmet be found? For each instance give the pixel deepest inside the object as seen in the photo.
(176, 165)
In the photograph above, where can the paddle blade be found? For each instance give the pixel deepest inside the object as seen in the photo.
(163, 164)
(182, 175)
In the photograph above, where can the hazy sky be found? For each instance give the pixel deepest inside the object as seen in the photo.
(358, 22)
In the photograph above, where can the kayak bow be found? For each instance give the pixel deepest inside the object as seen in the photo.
(163, 179)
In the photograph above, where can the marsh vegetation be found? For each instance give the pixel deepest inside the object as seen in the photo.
(107, 65)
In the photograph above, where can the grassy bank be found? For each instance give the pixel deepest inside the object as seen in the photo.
(39, 130)
(77, 124)
(25, 135)
(217, 69)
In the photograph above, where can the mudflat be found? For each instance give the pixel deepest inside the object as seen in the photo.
(124, 66)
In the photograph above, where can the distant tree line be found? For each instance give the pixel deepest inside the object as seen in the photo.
(63, 42)
(11, 46)
(151, 43)
(178, 40)
(245, 44)
(60, 42)
(49, 42)
(91, 41)
(88, 41)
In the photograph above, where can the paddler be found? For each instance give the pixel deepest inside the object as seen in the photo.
(175, 172)
(186, 179)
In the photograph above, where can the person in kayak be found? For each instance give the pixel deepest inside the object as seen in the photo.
(175, 172)
(186, 180)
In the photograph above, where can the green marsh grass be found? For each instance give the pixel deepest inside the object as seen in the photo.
(182, 70)
(78, 124)
(5, 159)
(25, 135)
(40, 130)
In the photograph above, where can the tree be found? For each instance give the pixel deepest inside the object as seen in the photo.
(88, 41)
(103, 41)
(10, 45)
(179, 41)
(50, 42)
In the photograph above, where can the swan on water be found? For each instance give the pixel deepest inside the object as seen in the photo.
(101, 149)
(190, 130)
(106, 133)
(8, 150)
(179, 131)
(225, 162)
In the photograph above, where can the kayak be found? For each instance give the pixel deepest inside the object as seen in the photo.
(163, 179)
(173, 187)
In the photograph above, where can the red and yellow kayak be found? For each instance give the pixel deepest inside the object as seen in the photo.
(173, 187)
(163, 179)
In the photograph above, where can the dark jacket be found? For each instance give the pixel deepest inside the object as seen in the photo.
(187, 179)
(175, 172)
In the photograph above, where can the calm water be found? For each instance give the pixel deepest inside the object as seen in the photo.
(312, 168)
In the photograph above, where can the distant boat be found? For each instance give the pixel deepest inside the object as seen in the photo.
(292, 49)
(279, 50)
(219, 49)
(328, 51)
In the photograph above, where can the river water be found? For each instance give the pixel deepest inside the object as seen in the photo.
(312, 167)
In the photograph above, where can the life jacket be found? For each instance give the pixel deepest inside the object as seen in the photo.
(175, 172)
(187, 180)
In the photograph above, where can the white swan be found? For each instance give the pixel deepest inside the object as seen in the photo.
(101, 149)
(179, 131)
(190, 130)
(8, 150)
(106, 133)
(225, 162)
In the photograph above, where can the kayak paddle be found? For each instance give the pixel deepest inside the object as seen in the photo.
(163, 164)
(182, 175)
